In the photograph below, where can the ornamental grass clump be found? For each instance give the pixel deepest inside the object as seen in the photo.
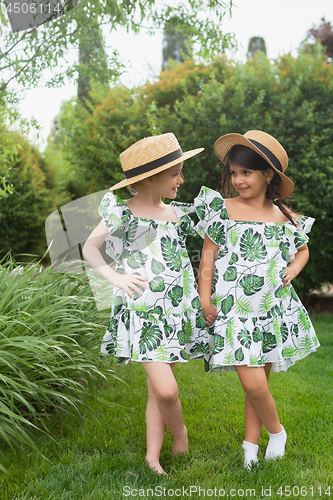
(49, 349)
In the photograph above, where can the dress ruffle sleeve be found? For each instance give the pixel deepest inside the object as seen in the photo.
(114, 212)
(212, 215)
(299, 237)
(117, 218)
(186, 224)
(304, 225)
(184, 208)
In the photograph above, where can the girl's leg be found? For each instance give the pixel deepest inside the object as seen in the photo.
(253, 424)
(163, 406)
(259, 399)
(155, 430)
(255, 385)
(253, 427)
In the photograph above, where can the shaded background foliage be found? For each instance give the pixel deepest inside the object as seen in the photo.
(290, 98)
(22, 214)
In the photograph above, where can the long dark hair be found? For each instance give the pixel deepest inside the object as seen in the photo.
(247, 158)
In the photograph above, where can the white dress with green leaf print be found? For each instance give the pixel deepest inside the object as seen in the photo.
(165, 323)
(258, 320)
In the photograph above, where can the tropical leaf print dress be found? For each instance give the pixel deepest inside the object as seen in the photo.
(165, 323)
(258, 320)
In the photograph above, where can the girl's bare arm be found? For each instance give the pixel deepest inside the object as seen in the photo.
(296, 266)
(206, 275)
(92, 254)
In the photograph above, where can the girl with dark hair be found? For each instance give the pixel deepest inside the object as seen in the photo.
(243, 155)
(254, 246)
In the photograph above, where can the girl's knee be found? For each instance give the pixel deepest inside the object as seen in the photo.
(161, 382)
(257, 391)
(167, 394)
(254, 381)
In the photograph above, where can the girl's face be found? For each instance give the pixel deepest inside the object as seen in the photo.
(249, 183)
(167, 182)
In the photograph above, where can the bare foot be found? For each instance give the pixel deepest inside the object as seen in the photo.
(155, 466)
(181, 446)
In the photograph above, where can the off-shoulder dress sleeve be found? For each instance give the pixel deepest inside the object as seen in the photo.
(304, 224)
(113, 211)
(299, 236)
(212, 214)
(117, 218)
(186, 224)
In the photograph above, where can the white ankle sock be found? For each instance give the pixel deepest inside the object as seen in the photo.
(250, 454)
(276, 444)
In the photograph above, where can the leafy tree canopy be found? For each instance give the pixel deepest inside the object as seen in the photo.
(324, 34)
(25, 56)
(176, 45)
(256, 43)
(23, 214)
(290, 98)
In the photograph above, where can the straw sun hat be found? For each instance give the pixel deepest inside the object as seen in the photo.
(266, 146)
(151, 155)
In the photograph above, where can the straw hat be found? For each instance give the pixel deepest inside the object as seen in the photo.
(266, 146)
(150, 156)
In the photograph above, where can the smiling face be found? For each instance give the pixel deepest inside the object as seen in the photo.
(250, 183)
(167, 182)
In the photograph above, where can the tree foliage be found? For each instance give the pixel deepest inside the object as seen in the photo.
(176, 46)
(86, 53)
(24, 56)
(256, 43)
(324, 34)
(291, 98)
(22, 215)
(8, 150)
(27, 57)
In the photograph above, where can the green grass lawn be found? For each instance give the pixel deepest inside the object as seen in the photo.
(104, 457)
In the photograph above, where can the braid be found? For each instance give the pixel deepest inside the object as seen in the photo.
(286, 212)
(273, 193)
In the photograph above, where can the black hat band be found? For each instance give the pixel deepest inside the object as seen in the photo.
(271, 156)
(164, 160)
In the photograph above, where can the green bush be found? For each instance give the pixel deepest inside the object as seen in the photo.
(23, 213)
(291, 98)
(49, 343)
(91, 142)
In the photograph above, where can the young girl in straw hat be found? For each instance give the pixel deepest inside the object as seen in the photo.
(255, 246)
(156, 316)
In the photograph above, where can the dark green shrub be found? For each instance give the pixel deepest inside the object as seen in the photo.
(291, 98)
(23, 213)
